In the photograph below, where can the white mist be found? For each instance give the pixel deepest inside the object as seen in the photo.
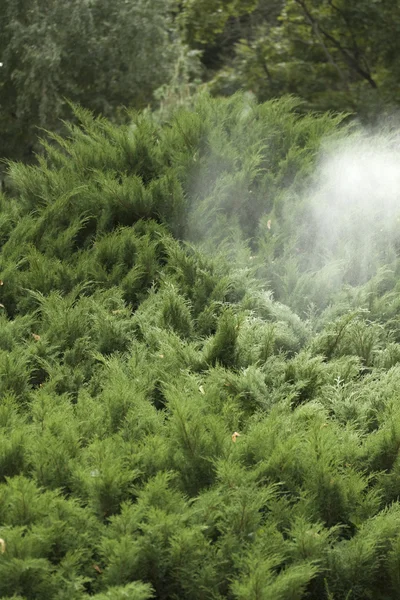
(356, 203)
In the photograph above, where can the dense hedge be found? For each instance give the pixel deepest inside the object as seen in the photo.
(169, 428)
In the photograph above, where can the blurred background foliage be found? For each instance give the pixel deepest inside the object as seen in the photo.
(332, 54)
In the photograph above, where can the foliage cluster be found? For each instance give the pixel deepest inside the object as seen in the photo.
(169, 429)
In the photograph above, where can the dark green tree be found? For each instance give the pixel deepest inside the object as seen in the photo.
(100, 54)
(332, 53)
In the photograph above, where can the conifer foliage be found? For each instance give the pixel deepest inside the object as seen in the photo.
(168, 428)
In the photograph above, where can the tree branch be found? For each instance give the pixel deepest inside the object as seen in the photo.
(328, 55)
(351, 61)
(264, 65)
(356, 48)
(358, 53)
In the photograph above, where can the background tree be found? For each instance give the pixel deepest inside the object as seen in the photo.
(332, 53)
(100, 54)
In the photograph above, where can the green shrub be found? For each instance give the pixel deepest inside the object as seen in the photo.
(192, 405)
